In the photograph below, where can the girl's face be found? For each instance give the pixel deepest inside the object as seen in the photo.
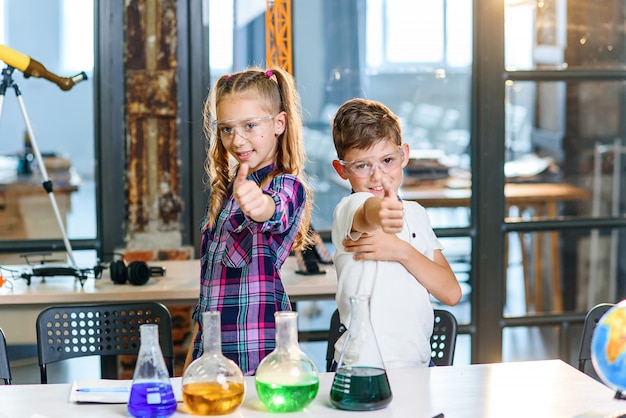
(249, 131)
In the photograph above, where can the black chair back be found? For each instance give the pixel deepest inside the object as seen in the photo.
(443, 340)
(5, 366)
(107, 330)
(584, 352)
(334, 332)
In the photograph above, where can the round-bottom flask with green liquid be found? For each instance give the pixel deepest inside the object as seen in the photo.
(212, 384)
(360, 382)
(286, 380)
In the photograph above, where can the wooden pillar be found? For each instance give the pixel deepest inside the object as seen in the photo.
(153, 190)
(153, 185)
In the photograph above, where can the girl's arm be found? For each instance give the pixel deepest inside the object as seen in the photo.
(189, 357)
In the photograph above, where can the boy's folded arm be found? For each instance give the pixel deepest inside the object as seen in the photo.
(436, 276)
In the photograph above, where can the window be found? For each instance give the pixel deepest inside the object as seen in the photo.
(434, 33)
(2, 19)
(221, 39)
(62, 123)
(76, 24)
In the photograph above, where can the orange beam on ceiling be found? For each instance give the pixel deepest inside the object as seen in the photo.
(278, 35)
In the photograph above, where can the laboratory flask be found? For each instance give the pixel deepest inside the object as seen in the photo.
(151, 393)
(360, 382)
(212, 384)
(286, 380)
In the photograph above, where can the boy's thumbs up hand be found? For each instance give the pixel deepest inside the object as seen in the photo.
(391, 210)
(390, 192)
(247, 193)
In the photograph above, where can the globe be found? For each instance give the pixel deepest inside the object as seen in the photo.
(608, 347)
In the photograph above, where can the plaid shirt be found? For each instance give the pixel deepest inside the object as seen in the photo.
(240, 271)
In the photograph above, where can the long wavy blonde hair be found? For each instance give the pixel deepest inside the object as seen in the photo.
(275, 89)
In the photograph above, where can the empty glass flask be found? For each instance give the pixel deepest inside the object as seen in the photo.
(360, 383)
(287, 380)
(151, 394)
(212, 384)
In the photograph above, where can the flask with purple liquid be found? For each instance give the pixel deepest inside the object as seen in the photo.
(151, 394)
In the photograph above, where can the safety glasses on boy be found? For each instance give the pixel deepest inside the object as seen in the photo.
(365, 168)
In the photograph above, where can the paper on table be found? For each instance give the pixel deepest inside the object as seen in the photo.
(111, 391)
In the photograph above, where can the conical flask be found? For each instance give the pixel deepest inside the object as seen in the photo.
(151, 393)
(287, 380)
(212, 384)
(361, 382)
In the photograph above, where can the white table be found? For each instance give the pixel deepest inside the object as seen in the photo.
(549, 388)
(179, 287)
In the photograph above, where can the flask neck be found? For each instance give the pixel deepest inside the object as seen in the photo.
(360, 348)
(150, 363)
(359, 311)
(286, 330)
(211, 332)
(149, 336)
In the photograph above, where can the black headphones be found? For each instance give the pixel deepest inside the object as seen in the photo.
(136, 273)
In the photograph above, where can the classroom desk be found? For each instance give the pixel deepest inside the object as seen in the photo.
(179, 286)
(550, 389)
(543, 198)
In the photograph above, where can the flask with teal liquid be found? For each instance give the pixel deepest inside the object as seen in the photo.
(360, 383)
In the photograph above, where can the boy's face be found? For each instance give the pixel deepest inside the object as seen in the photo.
(367, 169)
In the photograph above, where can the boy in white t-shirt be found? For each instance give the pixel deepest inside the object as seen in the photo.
(385, 247)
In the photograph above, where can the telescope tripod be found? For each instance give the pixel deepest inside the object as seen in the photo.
(8, 82)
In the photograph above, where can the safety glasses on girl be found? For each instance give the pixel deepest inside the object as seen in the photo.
(245, 128)
(365, 168)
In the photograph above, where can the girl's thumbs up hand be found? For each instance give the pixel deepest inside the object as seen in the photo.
(242, 174)
(249, 195)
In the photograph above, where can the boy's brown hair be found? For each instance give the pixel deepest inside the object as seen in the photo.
(361, 123)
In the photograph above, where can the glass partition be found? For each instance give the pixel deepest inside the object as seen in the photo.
(564, 34)
(566, 163)
(564, 110)
(415, 57)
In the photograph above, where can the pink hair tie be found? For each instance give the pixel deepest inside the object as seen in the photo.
(269, 73)
(228, 77)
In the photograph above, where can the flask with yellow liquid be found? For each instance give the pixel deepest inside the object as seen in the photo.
(212, 384)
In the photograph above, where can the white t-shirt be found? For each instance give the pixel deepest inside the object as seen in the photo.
(401, 313)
